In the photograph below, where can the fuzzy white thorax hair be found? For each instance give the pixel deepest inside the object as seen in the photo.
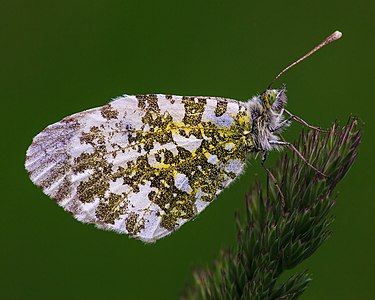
(267, 121)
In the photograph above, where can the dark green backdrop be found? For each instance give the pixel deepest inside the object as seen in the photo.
(61, 57)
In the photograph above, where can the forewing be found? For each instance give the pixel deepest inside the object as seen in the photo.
(142, 165)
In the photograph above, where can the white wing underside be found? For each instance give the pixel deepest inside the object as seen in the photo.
(100, 146)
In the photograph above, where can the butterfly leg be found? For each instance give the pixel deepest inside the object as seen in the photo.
(264, 157)
(301, 121)
(283, 124)
(291, 146)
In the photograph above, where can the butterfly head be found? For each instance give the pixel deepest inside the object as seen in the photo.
(266, 114)
(274, 99)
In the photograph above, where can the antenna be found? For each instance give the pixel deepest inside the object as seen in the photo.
(333, 37)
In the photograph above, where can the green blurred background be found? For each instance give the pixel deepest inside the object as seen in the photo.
(61, 57)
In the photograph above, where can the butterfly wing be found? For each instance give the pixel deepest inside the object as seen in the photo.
(142, 165)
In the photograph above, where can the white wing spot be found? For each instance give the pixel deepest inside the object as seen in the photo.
(182, 182)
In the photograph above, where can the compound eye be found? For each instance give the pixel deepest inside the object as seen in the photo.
(268, 98)
(271, 97)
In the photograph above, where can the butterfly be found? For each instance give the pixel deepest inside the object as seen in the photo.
(143, 165)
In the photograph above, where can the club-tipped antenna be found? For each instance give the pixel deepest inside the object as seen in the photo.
(333, 37)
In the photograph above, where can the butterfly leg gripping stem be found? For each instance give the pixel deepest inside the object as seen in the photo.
(291, 146)
(303, 122)
(269, 173)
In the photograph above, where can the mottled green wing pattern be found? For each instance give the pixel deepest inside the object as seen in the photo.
(142, 165)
